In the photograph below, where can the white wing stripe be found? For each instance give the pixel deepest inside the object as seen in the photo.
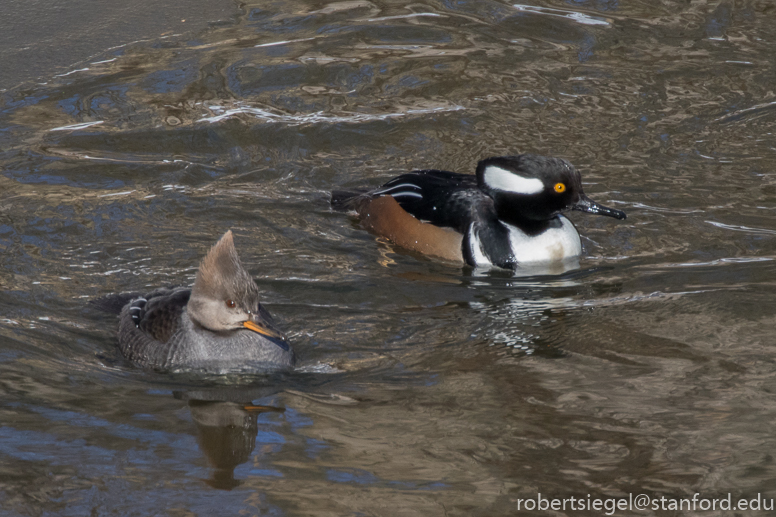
(411, 194)
(478, 254)
(394, 187)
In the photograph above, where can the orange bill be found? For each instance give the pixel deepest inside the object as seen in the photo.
(261, 329)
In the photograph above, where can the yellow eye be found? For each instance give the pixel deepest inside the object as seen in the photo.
(560, 188)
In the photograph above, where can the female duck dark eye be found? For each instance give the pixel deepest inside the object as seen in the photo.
(230, 304)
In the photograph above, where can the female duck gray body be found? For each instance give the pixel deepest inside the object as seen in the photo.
(507, 215)
(216, 326)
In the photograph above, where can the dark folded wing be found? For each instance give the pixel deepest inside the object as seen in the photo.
(157, 314)
(441, 198)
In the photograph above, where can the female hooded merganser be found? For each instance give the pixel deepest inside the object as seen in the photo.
(508, 215)
(218, 325)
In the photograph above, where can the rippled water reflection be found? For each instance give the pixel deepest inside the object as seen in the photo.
(423, 389)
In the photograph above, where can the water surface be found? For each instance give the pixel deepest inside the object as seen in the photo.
(423, 389)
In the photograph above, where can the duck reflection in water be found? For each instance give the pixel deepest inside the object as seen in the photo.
(226, 429)
(226, 433)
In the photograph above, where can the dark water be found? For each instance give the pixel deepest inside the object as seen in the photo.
(423, 389)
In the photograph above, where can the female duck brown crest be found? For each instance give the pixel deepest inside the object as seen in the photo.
(221, 273)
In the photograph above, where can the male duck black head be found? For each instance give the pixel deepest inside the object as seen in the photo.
(216, 326)
(508, 215)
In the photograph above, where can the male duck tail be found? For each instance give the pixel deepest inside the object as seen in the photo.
(345, 200)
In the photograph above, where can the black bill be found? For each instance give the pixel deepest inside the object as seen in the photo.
(585, 204)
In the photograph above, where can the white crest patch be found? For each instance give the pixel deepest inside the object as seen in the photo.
(507, 181)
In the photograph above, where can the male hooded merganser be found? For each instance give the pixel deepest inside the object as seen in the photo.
(508, 215)
(218, 325)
